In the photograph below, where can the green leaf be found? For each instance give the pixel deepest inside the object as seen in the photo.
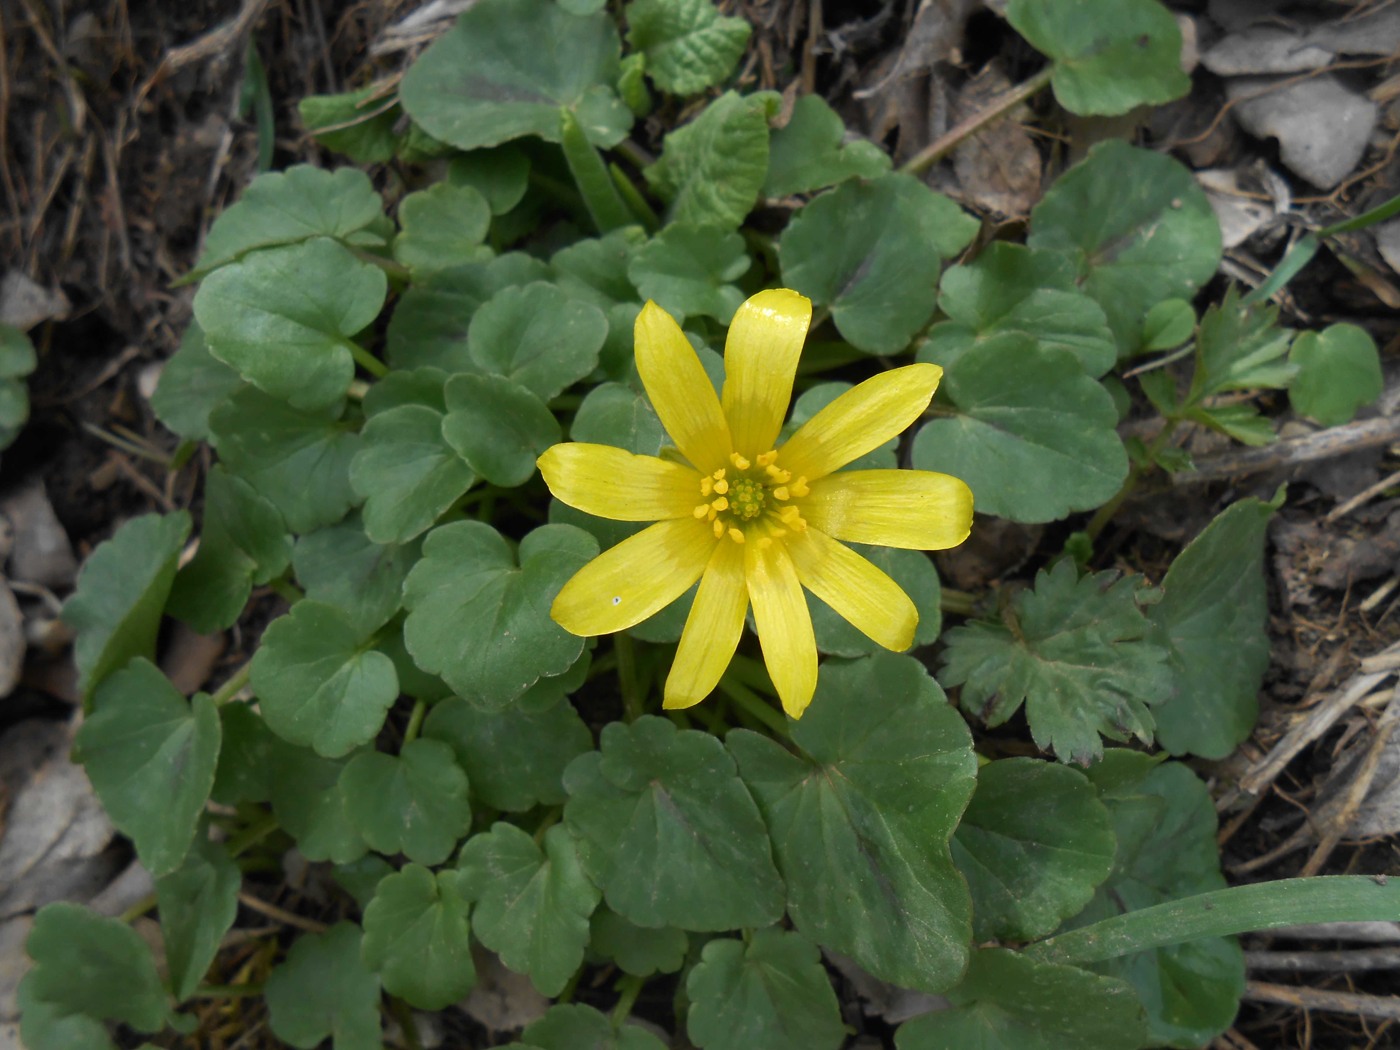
(501, 175)
(361, 878)
(416, 938)
(711, 170)
(584, 1028)
(1240, 347)
(1077, 651)
(198, 902)
(861, 819)
(1010, 288)
(514, 758)
(319, 683)
(406, 473)
(638, 950)
(430, 323)
(532, 904)
(614, 414)
(359, 124)
(300, 461)
(421, 387)
(669, 831)
(1168, 324)
(498, 427)
(1109, 55)
(244, 542)
(245, 756)
(1165, 826)
(151, 757)
(414, 803)
(1034, 437)
(1214, 612)
(16, 353)
(283, 318)
(811, 152)
(89, 965)
(44, 1026)
(1033, 844)
(308, 803)
(1009, 1002)
(121, 591)
(872, 251)
(1241, 422)
(443, 226)
(16, 361)
(595, 270)
(537, 337)
(343, 567)
(480, 619)
(687, 270)
(322, 990)
(914, 573)
(771, 992)
(1339, 371)
(1138, 228)
(285, 207)
(506, 70)
(688, 45)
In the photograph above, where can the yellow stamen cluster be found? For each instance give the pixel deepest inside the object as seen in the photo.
(752, 497)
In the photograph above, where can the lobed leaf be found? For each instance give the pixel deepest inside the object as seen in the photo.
(413, 803)
(322, 990)
(417, 937)
(688, 44)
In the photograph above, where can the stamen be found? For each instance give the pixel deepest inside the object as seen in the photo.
(707, 485)
(720, 504)
(719, 530)
(721, 487)
(739, 461)
(736, 535)
(764, 542)
(768, 458)
(718, 475)
(781, 492)
(782, 477)
(702, 510)
(800, 488)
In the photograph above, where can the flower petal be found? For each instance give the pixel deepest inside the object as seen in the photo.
(918, 509)
(784, 624)
(614, 483)
(712, 629)
(760, 360)
(640, 576)
(869, 599)
(860, 420)
(680, 391)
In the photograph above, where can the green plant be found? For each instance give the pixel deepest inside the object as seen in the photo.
(418, 721)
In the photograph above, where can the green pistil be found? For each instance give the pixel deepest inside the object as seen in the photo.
(745, 498)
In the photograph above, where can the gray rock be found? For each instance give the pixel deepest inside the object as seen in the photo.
(1322, 127)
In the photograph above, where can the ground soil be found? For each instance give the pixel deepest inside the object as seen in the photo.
(121, 141)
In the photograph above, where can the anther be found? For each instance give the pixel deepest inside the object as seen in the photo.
(768, 458)
(719, 529)
(707, 485)
(718, 475)
(782, 477)
(781, 492)
(702, 510)
(736, 535)
(739, 461)
(721, 487)
(764, 542)
(800, 487)
(720, 504)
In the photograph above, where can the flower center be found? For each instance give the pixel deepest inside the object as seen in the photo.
(752, 499)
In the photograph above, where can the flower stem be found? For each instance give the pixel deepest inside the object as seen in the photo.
(1105, 513)
(251, 835)
(959, 603)
(367, 360)
(233, 686)
(627, 677)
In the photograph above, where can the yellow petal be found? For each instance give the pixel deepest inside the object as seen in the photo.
(712, 629)
(860, 420)
(784, 624)
(613, 483)
(640, 576)
(870, 600)
(680, 391)
(760, 359)
(918, 509)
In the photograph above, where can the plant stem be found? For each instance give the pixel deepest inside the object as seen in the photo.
(628, 990)
(415, 723)
(959, 603)
(627, 677)
(287, 589)
(751, 703)
(953, 137)
(1239, 909)
(1140, 470)
(251, 835)
(367, 360)
(233, 686)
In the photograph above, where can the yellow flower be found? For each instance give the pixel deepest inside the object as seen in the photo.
(752, 521)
